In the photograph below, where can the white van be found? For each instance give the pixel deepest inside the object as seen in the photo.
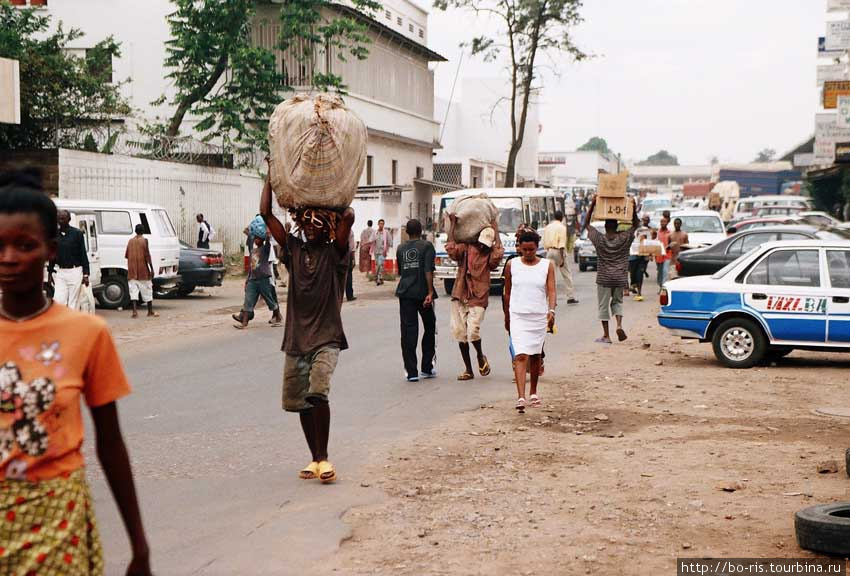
(107, 227)
(749, 207)
(516, 206)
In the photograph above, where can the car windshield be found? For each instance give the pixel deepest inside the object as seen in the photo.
(163, 224)
(701, 224)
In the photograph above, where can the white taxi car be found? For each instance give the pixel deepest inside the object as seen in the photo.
(779, 297)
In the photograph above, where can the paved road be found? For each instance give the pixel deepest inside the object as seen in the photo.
(216, 458)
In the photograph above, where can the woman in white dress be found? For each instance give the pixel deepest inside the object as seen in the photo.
(530, 298)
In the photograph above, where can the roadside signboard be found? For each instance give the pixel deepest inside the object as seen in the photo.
(842, 153)
(824, 53)
(828, 133)
(832, 73)
(10, 92)
(837, 5)
(832, 90)
(838, 35)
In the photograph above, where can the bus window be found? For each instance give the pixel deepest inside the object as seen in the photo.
(526, 204)
(550, 205)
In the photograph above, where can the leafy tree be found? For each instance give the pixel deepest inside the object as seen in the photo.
(63, 98)
(526, 31)
(233, 85)
(595, 144)
(660, 158)
(766, 155)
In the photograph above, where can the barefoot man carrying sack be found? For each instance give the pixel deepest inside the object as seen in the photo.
(313, 337)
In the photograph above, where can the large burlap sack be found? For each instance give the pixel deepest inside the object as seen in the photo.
(474, 214)
(318, 151)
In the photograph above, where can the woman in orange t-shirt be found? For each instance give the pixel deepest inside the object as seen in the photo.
(51, 358)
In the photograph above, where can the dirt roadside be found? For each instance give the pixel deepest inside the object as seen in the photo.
(620, 472)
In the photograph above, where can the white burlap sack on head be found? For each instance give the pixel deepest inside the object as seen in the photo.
(318, 151)
(474, 214)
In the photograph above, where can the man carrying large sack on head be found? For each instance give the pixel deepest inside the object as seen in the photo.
(318, 150)
(471, 293)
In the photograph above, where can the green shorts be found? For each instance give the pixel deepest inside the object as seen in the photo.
(308, 377)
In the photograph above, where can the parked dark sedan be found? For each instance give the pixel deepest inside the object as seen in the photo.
(709, 260)
(198, 267)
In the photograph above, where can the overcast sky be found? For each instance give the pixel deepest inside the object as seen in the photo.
(696, 77)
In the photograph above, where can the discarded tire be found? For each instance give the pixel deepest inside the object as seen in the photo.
(824, 528)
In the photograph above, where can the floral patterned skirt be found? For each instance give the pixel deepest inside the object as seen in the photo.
(48, 528)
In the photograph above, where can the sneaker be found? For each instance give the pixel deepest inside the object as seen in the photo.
(428, 375)
(412, 378)
(572, 301)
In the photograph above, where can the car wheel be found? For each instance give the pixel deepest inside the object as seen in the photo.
(824, 528)
(449, 285)
(115, 293)
(185, 289)
(582, 267)
(739, 343)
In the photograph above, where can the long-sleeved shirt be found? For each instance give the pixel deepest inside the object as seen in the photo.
(71, 251)
(472, 284)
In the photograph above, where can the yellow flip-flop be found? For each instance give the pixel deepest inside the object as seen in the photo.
(327, 474)
(484, 369)
(310, 472)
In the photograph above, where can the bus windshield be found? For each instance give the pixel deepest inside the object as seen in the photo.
(510, 213)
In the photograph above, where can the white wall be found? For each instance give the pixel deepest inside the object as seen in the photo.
(384, 151)
(227, 198)
(478, 126)
(142, 30)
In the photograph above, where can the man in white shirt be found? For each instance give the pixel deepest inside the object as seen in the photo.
(555, 244)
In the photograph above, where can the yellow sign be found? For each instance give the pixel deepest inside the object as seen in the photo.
(831, 92)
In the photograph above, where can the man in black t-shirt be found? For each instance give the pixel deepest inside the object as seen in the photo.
(416, 297)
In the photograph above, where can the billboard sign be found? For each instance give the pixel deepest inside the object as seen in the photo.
(838, 35)
(832, 90)
(832, 73)
(824, 53)
(828, 133)
(837, 5)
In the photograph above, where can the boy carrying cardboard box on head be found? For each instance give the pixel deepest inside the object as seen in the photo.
(611, 200)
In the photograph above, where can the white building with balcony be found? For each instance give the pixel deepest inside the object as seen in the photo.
(392, 90)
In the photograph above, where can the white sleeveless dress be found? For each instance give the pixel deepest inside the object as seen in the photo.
(529, 306)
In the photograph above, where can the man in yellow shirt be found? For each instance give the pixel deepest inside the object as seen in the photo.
(555, 244)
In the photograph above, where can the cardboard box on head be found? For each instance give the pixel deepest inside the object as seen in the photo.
(613, 185)
(621, 209)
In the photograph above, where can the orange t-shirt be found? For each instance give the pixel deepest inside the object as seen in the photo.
(46, 365)
(664, 238)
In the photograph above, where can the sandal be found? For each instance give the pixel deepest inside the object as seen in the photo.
(327, 474)
(520, 406)
(484, 369)
(621, 334)
(603, 340)
(310, 472)
(535, 401)
(464, 376)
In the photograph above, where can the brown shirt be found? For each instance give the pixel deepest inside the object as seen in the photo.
(317, 276)
(138, 256)
(474, 264)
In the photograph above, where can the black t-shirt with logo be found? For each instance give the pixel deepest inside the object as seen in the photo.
(414, 258)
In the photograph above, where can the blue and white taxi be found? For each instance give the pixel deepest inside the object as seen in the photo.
(779, 297)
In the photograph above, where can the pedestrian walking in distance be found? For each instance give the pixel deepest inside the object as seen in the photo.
(51, 359)
(204, 231)
(380, 249)
(140, 271)
(555, 243)
(612, 270)
(259, 282)
(638, 263)
(471, 292)
(662, 262)
(678, 238)
(318, 256)
(367, 246)
(416, 295)
(530, 301)
(72, 262)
